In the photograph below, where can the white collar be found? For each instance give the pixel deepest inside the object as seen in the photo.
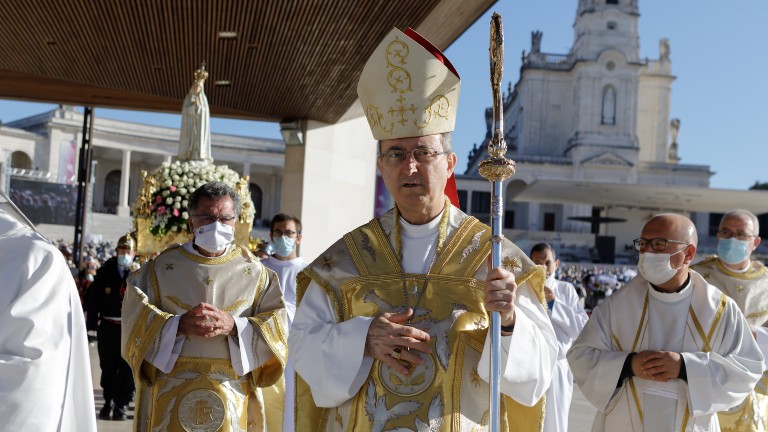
(673, 296)
(428, 229)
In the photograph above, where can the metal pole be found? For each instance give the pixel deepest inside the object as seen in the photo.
(84, 174)
(496, 169)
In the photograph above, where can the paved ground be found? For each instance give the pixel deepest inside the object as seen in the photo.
(580, 417)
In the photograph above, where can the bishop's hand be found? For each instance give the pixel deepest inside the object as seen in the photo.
(500, 294)
(389, 341)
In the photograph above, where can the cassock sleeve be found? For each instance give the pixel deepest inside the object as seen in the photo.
(761, 336)
(595, 366)
(528, 355)
(567, 317)
(326, 354)
(719, 380)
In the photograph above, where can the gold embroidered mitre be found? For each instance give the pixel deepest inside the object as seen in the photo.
(408, 88)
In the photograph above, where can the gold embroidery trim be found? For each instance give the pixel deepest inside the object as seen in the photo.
(718, 315)
(616, 341)
(758, 314)
(229, 256)
(685, 419)
(442, 108)
(179, 303)
(640, 327)
(637, 400)
(381, 238)
(153, 281)
(751, 273)
(349, 240)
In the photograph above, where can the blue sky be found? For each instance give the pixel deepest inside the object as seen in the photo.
(718, 55)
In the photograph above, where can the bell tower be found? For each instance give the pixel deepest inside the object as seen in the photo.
(603, 24)
(606, 79)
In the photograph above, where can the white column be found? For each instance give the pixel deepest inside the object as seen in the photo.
(247, 169)
(534, 216)
(122, 207)
(329, 182)
(167, 159)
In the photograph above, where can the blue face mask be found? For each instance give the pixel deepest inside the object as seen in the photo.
(124, 261)
(284, 246)
(733, 251)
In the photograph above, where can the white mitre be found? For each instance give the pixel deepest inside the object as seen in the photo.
(408, 88)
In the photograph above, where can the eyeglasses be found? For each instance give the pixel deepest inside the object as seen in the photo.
(280, 233)
(207, 219)
(423, 155)
(657, 244)
(740, 235)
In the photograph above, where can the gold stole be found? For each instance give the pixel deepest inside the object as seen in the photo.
(703, 342)
(446, 388)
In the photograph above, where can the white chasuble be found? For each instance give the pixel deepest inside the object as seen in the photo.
(721, 358)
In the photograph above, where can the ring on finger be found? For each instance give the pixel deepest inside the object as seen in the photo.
(395, 353)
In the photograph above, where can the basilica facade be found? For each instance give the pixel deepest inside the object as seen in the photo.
(576, 122)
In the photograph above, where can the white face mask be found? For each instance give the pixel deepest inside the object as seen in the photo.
(655, 267)
(214, 237)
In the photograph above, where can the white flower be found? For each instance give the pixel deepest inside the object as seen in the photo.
(177, 198)
(185, 215)
(169, 200)
(185, 203)
(177, 205)
(166, 192)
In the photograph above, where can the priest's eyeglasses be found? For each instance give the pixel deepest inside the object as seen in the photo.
(657, 244)
(423, 155)
(280, 233)
(208, 219)
(740, 235)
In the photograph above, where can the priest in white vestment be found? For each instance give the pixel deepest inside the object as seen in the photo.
(45, 371)
(568, 318)
(391, 331)
(204, 327)
(745, 281)
(667, 351)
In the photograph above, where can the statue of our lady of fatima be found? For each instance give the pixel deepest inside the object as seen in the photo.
(160, 210)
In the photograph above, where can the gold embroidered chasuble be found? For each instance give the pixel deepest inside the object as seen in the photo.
(750, 292)
(202, 391)
(361, 274)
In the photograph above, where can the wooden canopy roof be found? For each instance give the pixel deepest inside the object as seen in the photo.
(282, 59)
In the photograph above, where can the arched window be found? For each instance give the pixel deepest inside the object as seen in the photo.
(609, 106)
(20, 159)
(256, 198)
(112, 191)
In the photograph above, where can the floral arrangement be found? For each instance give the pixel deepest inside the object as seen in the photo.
(173, 184)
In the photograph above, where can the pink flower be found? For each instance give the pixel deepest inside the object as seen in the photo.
(161, 209)
(172, 188)
(158, 199)
(175, 212)
(152, 207)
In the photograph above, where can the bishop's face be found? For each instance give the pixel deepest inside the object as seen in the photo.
(416, 183)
